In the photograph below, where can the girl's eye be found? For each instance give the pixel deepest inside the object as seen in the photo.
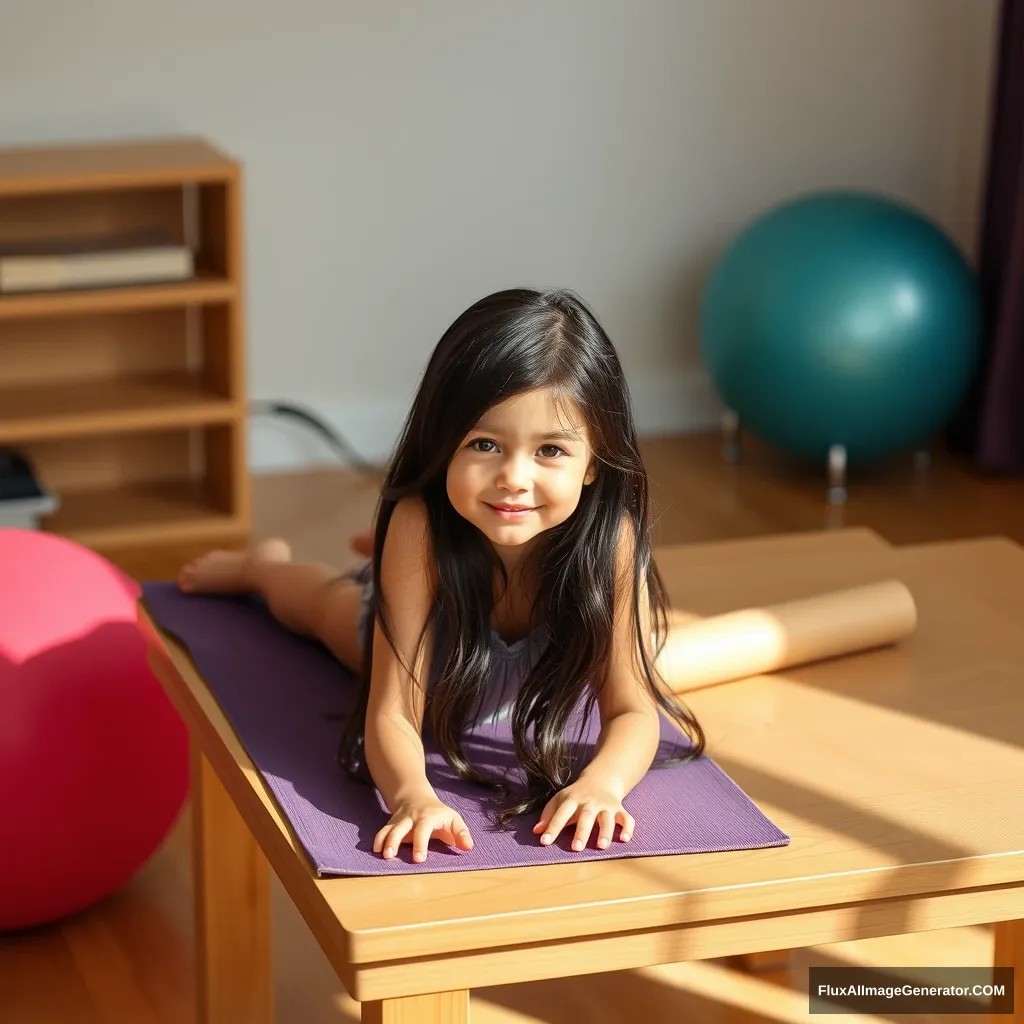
(480, 440)
(553, 448)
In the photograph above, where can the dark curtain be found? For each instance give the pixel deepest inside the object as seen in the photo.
(990, 426)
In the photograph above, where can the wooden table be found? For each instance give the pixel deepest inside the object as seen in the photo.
(899, 775)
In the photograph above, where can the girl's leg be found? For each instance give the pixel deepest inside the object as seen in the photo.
(309, 598)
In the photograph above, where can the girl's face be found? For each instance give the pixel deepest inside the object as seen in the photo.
(529, 453)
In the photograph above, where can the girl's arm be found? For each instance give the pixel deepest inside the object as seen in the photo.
(394, 716)
(630, 726)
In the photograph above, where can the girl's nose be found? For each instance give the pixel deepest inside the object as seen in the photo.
(515, 473)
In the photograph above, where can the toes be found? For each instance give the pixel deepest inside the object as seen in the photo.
(274, 550)
(362, 543)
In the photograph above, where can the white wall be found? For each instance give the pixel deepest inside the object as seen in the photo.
(404, 158)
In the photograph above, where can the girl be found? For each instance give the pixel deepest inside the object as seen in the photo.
(511, 575)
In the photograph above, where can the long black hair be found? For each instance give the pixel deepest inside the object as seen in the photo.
(508, 343)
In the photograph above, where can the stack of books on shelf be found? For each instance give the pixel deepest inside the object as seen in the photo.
(135, 257)
(23, 499)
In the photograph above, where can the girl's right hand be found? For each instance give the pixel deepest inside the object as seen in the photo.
(417, 822)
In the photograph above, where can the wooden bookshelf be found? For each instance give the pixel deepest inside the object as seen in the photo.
(131, 401)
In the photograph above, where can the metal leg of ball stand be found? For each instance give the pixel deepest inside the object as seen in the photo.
(730, 436)
(837, 475)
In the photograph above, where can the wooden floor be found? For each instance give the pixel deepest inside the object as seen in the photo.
(128, 961)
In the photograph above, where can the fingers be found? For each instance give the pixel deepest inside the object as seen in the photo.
(391, 836)
(421, 833)
(453, 831)
(558, 814)
(461, 834)
(606, 829)
(625, 819)
(545, 816)
(584, 826)
(566, 809)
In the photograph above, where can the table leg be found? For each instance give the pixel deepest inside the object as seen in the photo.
(437, 1008)
(1009, 952)
(234, 983)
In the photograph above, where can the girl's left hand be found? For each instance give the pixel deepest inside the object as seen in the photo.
(586, 804)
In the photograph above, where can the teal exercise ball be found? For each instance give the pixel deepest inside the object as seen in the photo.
(841, 318)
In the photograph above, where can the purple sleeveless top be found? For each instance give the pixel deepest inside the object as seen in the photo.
(510, 662)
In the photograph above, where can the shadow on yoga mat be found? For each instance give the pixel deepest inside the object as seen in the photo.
(284, 695)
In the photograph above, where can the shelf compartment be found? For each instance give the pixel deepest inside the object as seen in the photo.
(204, 217)
(146, 488)
(82, 349)
(118, 372)
(135, 514)
(147, 402)
(45, 216)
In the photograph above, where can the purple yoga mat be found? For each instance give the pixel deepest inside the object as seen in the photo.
(284, 694)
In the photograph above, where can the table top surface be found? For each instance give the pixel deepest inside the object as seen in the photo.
(896, 772)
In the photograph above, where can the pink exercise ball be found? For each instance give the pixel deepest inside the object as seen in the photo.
(93, 756)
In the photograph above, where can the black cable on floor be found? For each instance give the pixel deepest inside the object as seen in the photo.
(310, 419)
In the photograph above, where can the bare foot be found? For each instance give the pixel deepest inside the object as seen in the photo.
(230, 572)
(362, 543)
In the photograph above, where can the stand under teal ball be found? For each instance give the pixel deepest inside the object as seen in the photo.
(841, 326)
